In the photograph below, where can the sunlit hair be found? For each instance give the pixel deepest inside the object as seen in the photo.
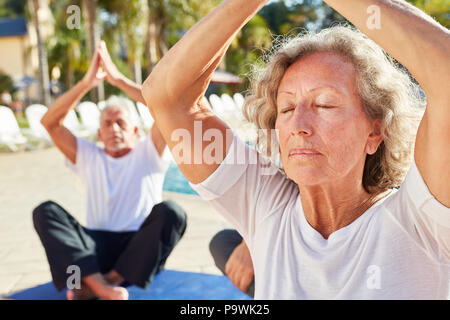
(117, 102)
(386, 90)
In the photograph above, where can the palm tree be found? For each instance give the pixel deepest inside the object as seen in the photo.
(90, 16)
(43, 76)
(155, 44)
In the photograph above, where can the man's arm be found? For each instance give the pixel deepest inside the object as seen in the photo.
(116, 78)
(239, 267)
(423, 46)
(53, 119)
(132, 89)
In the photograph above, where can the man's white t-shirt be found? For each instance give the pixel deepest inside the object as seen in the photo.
(121, 192)
(398, 249)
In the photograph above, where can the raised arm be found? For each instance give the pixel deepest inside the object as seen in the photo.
(57, 112)
(132, 89)
(423, 46)
(116, 78)
(174, 89)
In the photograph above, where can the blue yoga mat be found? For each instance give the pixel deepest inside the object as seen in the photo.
(168, 285)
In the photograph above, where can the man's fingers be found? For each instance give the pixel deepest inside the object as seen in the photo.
(101, 75)
(104, 53)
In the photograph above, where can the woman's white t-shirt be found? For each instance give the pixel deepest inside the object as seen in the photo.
(398, 249)
(120, 192)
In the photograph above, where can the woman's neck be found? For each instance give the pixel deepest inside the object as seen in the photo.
(332, 207)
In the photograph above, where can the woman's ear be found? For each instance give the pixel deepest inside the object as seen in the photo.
(375, 137)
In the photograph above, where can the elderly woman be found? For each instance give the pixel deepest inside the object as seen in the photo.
(330, 224)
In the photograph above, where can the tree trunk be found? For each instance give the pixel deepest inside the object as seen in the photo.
(150, 48)
(44, 81)
(90, 16)
(155, 42)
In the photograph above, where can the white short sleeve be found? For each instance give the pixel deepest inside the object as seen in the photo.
(245, 188)
(422, 216)
(160, 163)
(421, 196)
(86, 152)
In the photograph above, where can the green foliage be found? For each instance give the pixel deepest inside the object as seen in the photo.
(6, 83)
(249, 45)
(12, 8)
(284, 18)
(123, 25)
(438, 9)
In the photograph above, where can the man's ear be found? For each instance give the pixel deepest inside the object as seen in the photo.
(99, 135)
(375, 137)
(136, 130)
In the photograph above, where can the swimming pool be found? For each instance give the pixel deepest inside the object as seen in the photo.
(176, 182)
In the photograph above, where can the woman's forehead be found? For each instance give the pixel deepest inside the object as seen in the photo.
(327, 70)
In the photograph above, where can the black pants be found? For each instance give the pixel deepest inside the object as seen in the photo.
(137, 256)
(222, 246)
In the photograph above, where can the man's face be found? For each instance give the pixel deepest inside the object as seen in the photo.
(116, 131)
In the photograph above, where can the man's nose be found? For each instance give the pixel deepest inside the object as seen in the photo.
(115, 127)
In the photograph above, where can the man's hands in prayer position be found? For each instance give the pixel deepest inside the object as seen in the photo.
(95, 75)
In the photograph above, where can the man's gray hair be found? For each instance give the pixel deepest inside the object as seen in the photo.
(118, 102)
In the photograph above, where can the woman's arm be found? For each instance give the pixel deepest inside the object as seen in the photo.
(174, 89)
(423, 46)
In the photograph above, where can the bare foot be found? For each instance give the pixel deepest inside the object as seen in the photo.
(102, 289)
(113, 293)
(85, 293)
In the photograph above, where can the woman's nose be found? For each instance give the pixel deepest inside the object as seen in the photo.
(301, 122)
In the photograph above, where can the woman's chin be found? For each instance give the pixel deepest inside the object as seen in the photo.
(306, 176)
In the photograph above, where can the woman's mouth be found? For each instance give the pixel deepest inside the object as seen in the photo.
(303, 153)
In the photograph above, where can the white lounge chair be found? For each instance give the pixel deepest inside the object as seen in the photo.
(71, 122)
(36, 132)
(206, 102)
(229, 103)
(101, 104)
(90, 117)
(239, 100)
(146, 116)
(10, 134)
(217, 105)
(232, 111)
(135, 119)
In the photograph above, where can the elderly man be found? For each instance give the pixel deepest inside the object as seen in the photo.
(129, 232)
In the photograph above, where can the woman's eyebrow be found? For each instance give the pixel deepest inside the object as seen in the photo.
(321, 88)
(328, 88)
(287, 92)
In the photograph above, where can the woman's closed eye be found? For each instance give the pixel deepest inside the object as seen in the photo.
(325, 106)
(287, 109)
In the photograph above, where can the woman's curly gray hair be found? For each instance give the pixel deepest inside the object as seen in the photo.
(387, 93)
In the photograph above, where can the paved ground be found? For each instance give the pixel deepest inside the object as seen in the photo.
(29, 178)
